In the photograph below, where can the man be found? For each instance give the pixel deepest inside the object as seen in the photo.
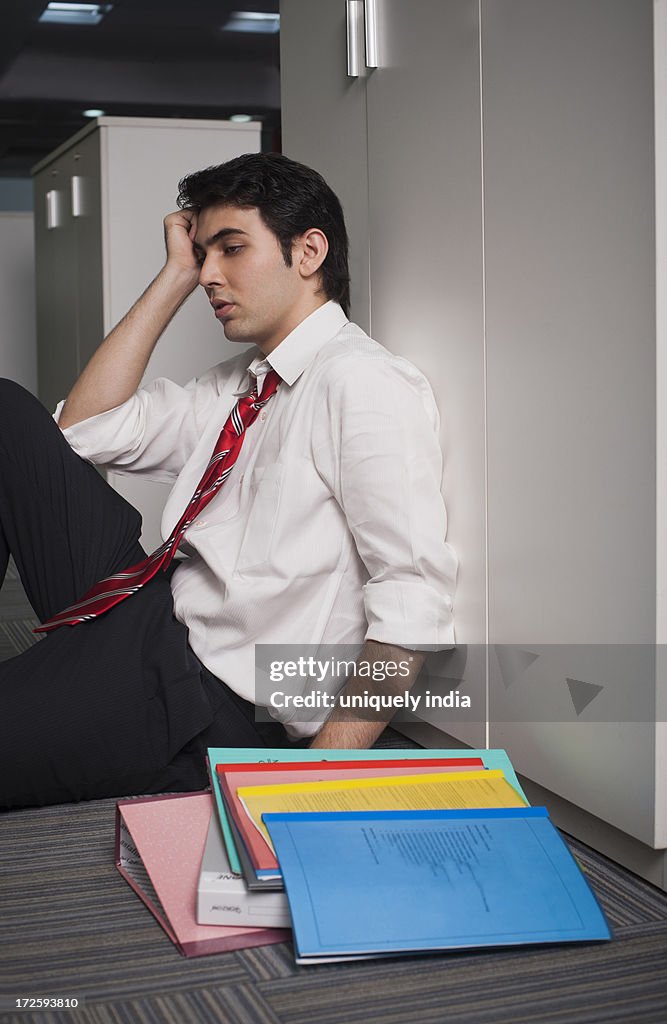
(309, 472)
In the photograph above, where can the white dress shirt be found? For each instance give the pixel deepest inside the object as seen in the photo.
(331, 526)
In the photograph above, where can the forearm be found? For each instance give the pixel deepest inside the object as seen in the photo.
(347, 729)
(115, 370)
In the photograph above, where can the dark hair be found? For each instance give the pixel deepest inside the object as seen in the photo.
(290, 197)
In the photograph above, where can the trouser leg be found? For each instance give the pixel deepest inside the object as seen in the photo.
(111, 707)
(115, 706)
(101, 709)
(64, 525)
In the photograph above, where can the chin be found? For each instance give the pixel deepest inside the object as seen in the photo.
(232, 334)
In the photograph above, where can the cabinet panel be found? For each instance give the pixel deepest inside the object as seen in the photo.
(425, 217)
(570, 321)
(142, 165)
(57, 288)
(324, 121)
(566, 370)
(142, 168)
(86, 204)
(109, 244)
(570, 312)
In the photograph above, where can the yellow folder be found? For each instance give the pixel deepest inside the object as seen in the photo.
(439, 791)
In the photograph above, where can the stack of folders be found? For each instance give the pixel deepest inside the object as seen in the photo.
(377, 853)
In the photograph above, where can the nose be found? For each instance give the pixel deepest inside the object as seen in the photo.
(210, 273)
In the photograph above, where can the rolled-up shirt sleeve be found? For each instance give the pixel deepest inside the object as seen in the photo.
(153, 433)
(386, 474)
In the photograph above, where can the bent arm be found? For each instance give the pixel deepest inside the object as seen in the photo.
(383, 464)
(115, 370)
(347, 729)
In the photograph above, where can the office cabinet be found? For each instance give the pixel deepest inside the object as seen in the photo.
(99, 204)
(400, 147)
(511, 204)
(572, 349)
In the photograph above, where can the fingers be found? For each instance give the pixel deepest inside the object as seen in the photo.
(180, 229)
(193, 214)
(181, 220)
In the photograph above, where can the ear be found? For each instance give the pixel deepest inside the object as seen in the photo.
(310, 251)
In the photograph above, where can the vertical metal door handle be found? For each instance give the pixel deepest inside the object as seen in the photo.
(355, 18)
(52, 209)
(371, 28)
(77, 196)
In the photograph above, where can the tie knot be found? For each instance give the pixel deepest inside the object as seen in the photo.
(269, 388)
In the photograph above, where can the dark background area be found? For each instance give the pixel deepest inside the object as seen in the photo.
(146, 58)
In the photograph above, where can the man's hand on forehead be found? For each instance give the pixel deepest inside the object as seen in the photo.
(180, 229)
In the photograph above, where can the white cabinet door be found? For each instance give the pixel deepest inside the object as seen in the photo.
(109, 189)
(400, 145)
(425, 213)
(57, 287)
(324, 120)
(85, 188)
(143, 161)
(570, 326)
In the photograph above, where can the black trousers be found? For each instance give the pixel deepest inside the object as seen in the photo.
(116, 706)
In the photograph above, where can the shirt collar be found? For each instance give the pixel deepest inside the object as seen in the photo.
(295, 352)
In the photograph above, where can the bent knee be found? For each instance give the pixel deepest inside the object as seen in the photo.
(15, 400)
(23, 418)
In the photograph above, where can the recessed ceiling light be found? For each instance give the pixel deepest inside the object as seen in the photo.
(252, 21)
(93, 112)
(241, 118)
(74, 14)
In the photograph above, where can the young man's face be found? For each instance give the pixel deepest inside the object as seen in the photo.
(255, 296)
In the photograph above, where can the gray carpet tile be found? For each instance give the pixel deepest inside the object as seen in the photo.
(17, 618)
(13, 601)
(72, 926)
(17, 636)
(232, 1004)
(267, 963)
(623, 982)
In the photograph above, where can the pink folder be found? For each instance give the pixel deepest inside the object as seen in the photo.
(159, 846)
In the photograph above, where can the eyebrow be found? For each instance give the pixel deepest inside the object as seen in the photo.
(219, 236)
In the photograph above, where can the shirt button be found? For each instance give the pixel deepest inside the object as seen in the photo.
(262, 416)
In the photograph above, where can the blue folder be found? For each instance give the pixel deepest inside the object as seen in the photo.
(375, 883)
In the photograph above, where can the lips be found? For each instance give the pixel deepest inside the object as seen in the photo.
(221, 308)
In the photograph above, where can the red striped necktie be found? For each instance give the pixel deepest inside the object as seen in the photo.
(113, 589)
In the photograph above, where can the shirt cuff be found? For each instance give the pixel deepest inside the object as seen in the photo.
(409, 614)
(89, 438)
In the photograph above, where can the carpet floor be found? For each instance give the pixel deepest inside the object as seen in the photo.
(70, 926)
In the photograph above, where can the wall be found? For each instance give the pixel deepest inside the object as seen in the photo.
(18, 342)
(16, 194)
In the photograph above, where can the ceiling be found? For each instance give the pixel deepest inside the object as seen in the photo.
(151, 58)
